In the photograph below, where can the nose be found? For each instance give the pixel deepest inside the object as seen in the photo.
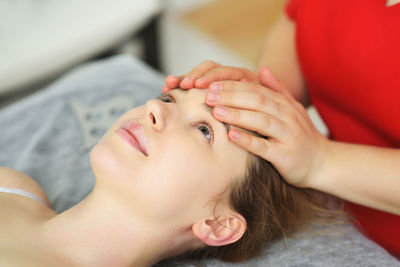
(156, 114)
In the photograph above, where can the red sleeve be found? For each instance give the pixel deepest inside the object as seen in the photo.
(291, 9)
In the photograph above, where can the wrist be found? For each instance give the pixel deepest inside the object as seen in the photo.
(323, 161)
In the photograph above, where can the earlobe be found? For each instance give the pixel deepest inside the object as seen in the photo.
(220, 232)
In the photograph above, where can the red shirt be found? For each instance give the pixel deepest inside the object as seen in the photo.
(349, 53)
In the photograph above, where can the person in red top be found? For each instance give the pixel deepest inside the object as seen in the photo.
(344, 58)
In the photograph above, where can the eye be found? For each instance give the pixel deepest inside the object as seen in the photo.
(166, 98)
(206, 129)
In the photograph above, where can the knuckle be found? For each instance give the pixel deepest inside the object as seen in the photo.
(260, 100)
(247, 72)
(228, 84)
(280, 109)
(290, 120)
(242, 72)
(218, 71)
(266, 122)
(294, 116)
(298, 105)
(264, 147)
(208, 63)
(235, 115)
(195, 72)
(286, 113)
(227, 97)
(279, 98)
(248, 141)
(253, 87)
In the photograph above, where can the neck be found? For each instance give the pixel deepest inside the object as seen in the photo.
(99, 231)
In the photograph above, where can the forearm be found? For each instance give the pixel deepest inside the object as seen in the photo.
(279, 55)
(362, 174)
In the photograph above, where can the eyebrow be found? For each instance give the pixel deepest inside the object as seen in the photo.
(208, 109)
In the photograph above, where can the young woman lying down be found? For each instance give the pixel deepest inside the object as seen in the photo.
(168, 183)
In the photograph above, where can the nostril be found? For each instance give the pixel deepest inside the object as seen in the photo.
(152, 118)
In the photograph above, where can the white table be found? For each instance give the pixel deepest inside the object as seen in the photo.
(40, 38)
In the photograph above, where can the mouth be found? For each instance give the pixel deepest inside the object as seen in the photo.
(133, 134)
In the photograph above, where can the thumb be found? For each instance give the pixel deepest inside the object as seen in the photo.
(268, 80)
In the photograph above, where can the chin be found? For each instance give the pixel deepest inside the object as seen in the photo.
(99, 159)
(105, 160)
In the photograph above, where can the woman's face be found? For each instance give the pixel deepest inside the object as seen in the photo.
(188, 158)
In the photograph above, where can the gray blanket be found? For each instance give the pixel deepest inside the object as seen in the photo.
(49, 135)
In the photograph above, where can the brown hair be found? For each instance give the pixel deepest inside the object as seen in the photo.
(272, 208)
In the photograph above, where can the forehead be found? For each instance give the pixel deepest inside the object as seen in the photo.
(198, 95)
(189, 93)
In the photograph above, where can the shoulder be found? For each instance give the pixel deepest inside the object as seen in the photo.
(15, 179)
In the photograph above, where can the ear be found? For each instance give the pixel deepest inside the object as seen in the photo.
(219, 232)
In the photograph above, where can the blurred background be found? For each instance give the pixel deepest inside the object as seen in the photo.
(42, 39)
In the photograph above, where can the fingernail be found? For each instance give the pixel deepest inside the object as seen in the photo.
(221, 111)
(215, 87)
(212, 97)
(186, 79)
(234, 134)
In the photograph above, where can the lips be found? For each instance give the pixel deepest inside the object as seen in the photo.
(133, 133)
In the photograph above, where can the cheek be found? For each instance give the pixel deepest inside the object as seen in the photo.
(113, 162)
(175, 183)
(178, 183)
(109, 157)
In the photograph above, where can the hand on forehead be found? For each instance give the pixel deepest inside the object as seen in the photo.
(210, 109)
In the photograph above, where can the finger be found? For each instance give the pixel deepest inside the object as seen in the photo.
(224, 73)
(165, 89)
(269, 80)
(173, 81)
(196, 72)
(249, 100)
(247, 87)
(254, 121)
(265, 148)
